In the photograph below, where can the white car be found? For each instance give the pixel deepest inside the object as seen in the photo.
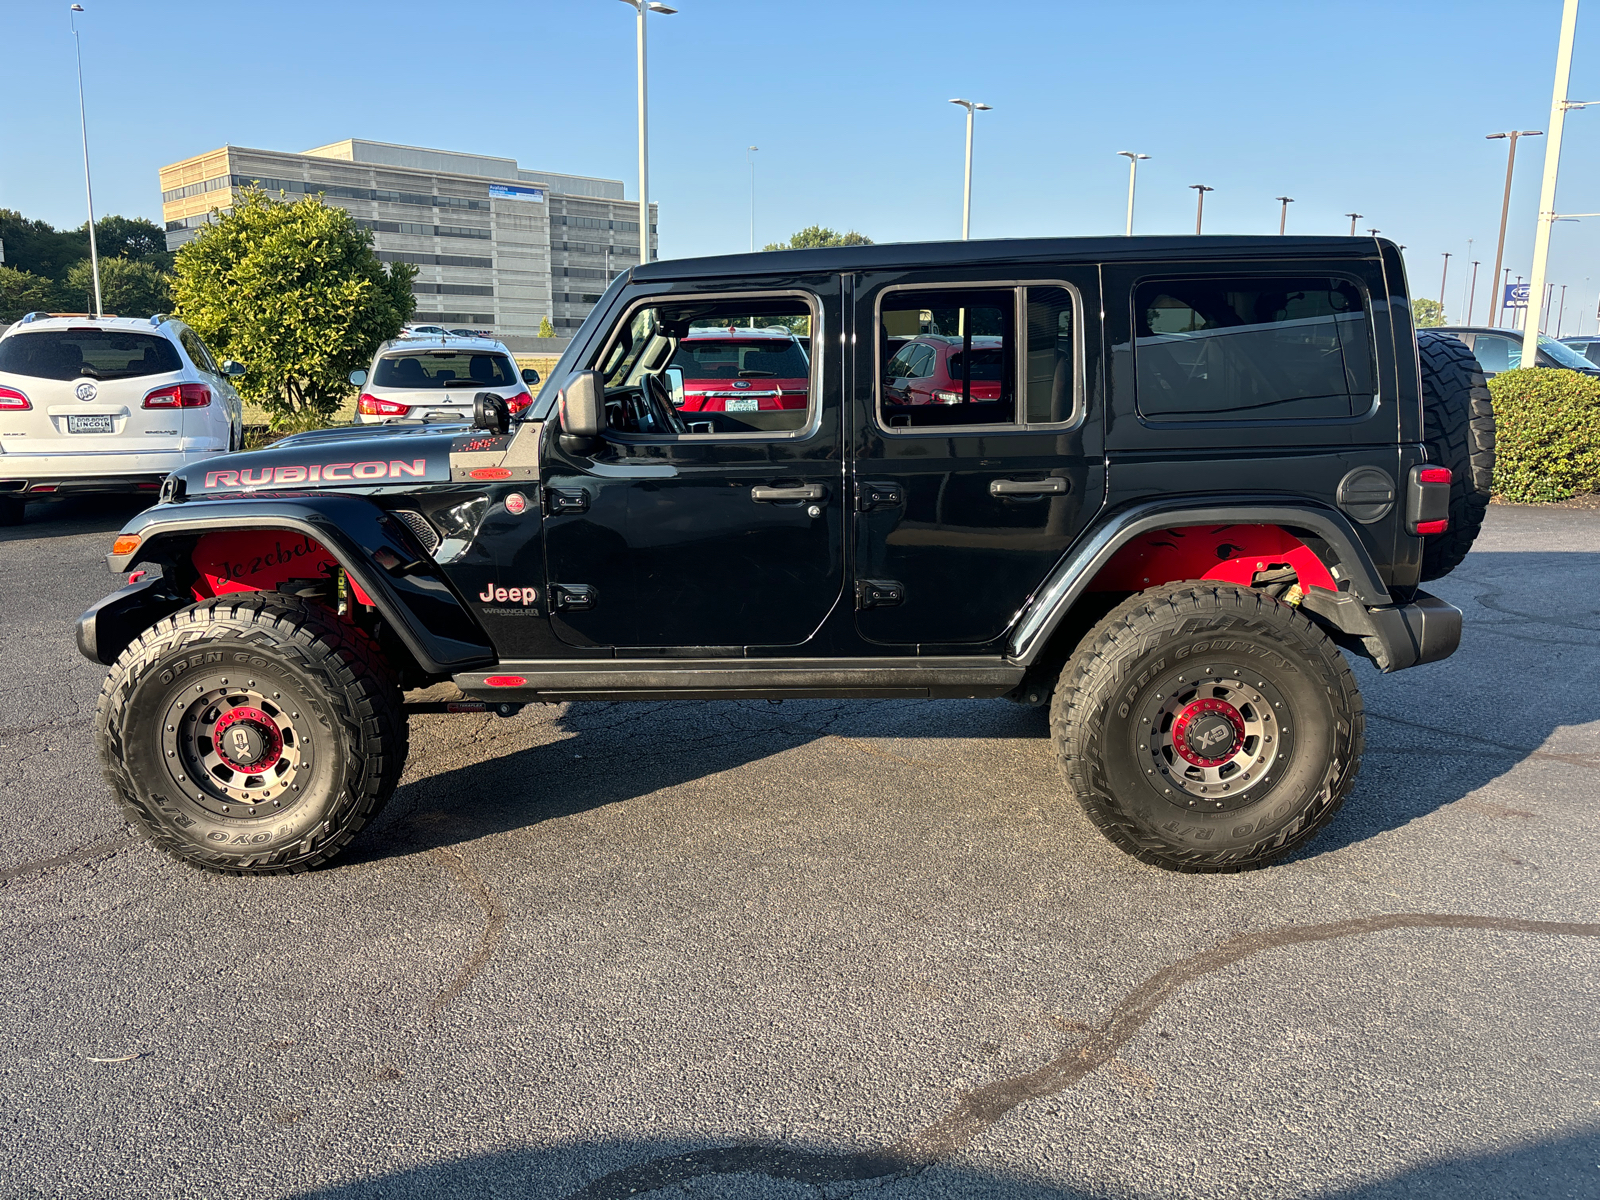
(107, 404)
(436, 378)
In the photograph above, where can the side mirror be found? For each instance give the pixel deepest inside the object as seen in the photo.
(675, 385)
(529, 375)
(356, 377)
(490, 412)
(582, 402)
(232, 369)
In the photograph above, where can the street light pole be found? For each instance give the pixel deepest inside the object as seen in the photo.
(88, 187)
(1496, 312)
(1133, 179)
(644, 8)
(1374, 232)
(1442, 279)
(1561, 312)
(972, 107)
(1283, 213)
(1200, 203)
(1552, 164)
(748, 151)
(1354, 217)
(1472, 291)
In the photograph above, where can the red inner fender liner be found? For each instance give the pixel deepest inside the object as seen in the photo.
(258, 560)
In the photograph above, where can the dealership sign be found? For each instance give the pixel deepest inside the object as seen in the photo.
(1516, 295)
(506, 191)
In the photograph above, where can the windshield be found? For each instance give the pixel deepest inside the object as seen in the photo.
(764, 358)
(89, 353)
(445, 369)
(1565, 355)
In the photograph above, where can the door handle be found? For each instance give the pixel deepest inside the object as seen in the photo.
(809, 491)
(1029, 487)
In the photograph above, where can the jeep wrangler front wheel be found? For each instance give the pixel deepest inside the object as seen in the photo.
(251, 735)
(1208, 727)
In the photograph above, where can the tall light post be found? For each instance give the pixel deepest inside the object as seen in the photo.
(1561, 311)
(1283, 213)
(1552, 164)
(1200, 203)
(748, 151)
(1442, 279)
(88, 187)
(644, 8)
(1505, 207)
(1472, 291)
(972, 107)
(1354, 217)
(1374, 232)
(1133, 178)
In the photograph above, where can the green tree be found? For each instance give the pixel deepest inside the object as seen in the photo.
(128, 287)
(134, 238)
(545, 328)
(23, 292)
(1426, 313)
(815, 236)
(39, 247)
(295, 292)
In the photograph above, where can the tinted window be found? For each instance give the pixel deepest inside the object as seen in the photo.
(197, 351)
(900, 365)
(978, 386)
(445, 369)
(726, 358)
(1252, 349)
(1496, 354)
(1050, 392)
(93, 353)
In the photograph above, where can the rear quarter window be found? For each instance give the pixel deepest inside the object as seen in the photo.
(89, 353)
(1252, 349)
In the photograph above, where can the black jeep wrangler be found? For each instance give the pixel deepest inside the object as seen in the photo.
(1154, 483)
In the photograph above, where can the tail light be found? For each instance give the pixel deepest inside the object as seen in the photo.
(179, 395)
(12, 400)
(370, 406)
(941, 397)
(1428, 501)
(518, 402)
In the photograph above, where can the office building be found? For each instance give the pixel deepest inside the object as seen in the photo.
(496, 246)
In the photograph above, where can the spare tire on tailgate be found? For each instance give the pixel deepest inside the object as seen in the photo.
(1458, 427)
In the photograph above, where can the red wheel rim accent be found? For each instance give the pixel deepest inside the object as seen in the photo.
(1200, 708)
(263, 724)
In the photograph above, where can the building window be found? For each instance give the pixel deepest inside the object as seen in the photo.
(452, 289)
(196, 189)
(461, 231)
(433, 260)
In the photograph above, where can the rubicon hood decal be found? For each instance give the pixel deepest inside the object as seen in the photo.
(340, 472)
(357, 462)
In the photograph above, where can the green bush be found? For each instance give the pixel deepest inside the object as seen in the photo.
(1547, 434)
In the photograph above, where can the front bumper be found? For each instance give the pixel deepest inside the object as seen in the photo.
(42, 475)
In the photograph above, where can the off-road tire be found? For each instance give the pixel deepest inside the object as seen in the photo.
(1145, 658)
(11, 510)
(1458, 427)
(317, 684)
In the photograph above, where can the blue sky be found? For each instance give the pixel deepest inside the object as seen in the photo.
(1378, 108)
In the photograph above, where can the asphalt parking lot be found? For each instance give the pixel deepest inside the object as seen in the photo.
(820, 949)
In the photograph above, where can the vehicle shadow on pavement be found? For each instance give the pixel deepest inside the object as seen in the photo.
(1555, 1166)
(81, 514)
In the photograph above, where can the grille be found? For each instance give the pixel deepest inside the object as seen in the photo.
(418, 524)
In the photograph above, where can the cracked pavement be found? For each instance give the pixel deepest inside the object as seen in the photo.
(820, 949)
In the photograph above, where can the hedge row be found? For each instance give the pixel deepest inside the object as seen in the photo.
(1547, 434)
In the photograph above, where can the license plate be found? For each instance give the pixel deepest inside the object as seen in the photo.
(743, 404)
(91, 423)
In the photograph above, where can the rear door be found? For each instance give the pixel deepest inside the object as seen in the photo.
(962, 507)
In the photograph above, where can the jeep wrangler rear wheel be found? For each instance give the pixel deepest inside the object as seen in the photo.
(251, 735)
(1208, 727)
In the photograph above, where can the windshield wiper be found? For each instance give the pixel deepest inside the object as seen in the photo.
(91, 372)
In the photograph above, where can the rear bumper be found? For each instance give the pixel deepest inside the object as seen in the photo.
(1393, 636)
(40, 476)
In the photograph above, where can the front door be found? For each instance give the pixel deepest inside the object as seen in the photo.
(711, 514)
(978, 445)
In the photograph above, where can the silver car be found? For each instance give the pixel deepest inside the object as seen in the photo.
(436, 378)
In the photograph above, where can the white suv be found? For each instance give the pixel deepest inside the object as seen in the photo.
(108, 404)
(436, 378)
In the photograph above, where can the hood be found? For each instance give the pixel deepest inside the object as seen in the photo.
(359, 457)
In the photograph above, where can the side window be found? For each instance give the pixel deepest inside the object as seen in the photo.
(900, 366)
(196, 352)
(1496, 354)
(982, 370)
(1252, 349)
(729, 366)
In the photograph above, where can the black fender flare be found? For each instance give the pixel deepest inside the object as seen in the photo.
(375, 549)
(1363, 610)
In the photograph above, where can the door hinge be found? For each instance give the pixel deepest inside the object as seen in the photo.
(879, 593)
(871, 496)
(566, 500)
(572, 597)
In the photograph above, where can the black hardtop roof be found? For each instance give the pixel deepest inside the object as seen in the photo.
(1003, 251)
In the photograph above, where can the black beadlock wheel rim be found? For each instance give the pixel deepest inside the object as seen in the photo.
(235, 749)
(1212, 738)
